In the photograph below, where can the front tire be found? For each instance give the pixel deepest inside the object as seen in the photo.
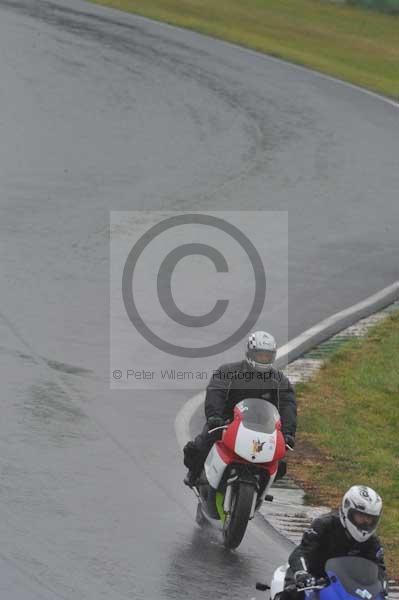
(236, 523)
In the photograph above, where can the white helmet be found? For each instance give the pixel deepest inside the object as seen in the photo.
(261, 350)
(360, 512)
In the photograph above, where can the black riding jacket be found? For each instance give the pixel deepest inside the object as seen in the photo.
(234, 382)
(328, 538)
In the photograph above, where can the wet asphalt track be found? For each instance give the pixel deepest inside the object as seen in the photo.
(103, 111)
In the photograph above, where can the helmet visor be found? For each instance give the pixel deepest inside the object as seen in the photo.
(363, 521)
(262, 357)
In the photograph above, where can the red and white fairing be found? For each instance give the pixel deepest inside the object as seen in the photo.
(254, 437)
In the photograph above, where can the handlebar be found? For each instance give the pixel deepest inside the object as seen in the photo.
(263, 587)
(312, 587)
(316, 584)
(217, 428)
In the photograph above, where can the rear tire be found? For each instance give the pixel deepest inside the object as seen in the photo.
(236, 523)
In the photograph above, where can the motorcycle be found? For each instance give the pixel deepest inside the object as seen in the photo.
(240, 469)
(348, 578)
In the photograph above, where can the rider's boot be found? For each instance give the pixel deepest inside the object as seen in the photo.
(192, 477)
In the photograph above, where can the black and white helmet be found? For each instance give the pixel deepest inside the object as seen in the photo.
(360, 512)
(261, 350)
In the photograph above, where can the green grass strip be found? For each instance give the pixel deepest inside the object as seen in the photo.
(348, 42)
(348, 427)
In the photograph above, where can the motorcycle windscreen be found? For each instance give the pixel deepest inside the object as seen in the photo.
(258, 415)
(257, 435)
(358, 576)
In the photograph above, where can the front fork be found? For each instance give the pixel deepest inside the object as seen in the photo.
(229, 493)
(257, 499)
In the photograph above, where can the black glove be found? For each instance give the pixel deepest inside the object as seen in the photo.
(214, 422)
(303, 579)
(289, 440)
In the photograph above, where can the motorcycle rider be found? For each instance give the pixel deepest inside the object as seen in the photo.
(347, 532)
(254, 377)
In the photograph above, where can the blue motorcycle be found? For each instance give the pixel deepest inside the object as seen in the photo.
(348, 578)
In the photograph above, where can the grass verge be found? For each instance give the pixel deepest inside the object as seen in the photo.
(348, 428)
(348, 42)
